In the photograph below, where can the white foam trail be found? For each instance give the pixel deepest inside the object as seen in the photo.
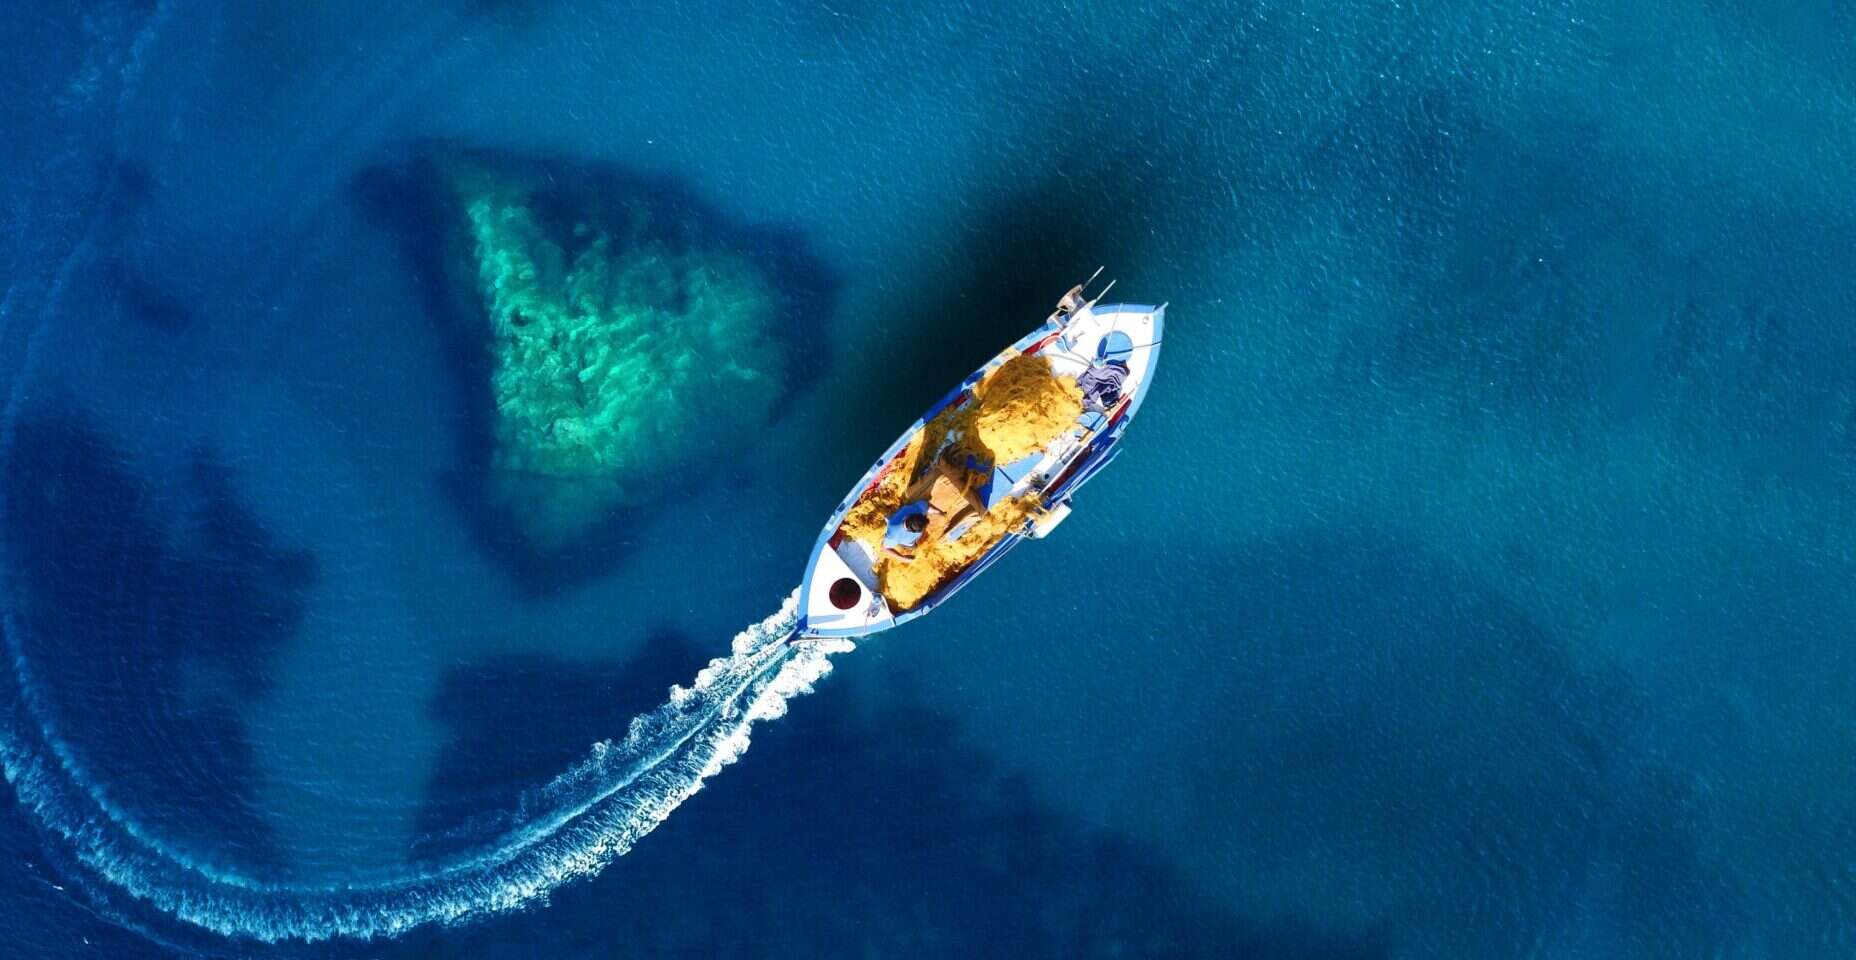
(569, 829)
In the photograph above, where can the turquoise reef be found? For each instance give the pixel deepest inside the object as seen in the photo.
(622, 351)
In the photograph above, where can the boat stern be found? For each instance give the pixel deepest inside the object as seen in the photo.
(838, 597)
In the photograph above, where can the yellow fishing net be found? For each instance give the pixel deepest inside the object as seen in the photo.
(868, 518)
(1023, 407)
(1015, 411)
(907, 582)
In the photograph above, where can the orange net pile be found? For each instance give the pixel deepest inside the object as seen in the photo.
(1017, 410)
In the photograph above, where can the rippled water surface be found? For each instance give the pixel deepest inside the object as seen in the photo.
(1474, 583)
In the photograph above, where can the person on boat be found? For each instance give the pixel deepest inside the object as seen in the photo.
(1107, 375)
(1101, 384)
(952, 486)
(906, 527)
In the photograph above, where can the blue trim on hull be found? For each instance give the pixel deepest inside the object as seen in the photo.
(1102, 450)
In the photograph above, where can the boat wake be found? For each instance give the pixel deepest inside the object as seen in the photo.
(570, 828)
(567, 829)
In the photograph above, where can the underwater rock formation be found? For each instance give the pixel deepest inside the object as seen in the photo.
(616, 339)
(618, 354)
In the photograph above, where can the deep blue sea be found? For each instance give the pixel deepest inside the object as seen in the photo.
(1476, 581)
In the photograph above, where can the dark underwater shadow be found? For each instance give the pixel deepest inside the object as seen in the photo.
(124, 271)
(1540, 277)
(146, 646)
(519, 721)
(1392, 732)
(409, 198)
(838, 834)
(144, 301)
(1015, 253)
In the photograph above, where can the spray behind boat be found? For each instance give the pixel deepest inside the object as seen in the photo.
(995, 462)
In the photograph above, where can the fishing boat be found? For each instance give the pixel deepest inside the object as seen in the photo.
(994, 463)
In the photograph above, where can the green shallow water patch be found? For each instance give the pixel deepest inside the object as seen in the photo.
(616, 355)
(619, 341)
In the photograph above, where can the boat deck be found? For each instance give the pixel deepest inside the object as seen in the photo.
(843, 595)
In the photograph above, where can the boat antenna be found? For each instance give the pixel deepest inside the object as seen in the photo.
(1104, 293)
(1092, 278)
